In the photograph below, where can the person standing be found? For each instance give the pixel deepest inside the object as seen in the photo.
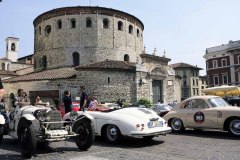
(93, 103)
(67, 100)
(83, 99)
(37, 100)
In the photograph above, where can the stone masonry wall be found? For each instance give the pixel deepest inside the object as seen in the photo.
(94, 44)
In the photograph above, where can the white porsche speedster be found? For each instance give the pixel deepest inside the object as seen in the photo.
(131, 121)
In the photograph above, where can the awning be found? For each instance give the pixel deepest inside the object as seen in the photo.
(223, 90)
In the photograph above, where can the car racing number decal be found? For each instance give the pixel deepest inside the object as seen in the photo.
(199, 117)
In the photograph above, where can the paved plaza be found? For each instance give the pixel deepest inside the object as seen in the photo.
(191, 144)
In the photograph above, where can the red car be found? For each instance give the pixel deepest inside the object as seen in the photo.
(75, 106)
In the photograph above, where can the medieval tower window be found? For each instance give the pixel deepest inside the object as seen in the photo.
(126, 58)
(108, 80)
(8, 67)
(120, 25)
(59, 24)
(137, 32)
(76, 60)
(44, 61)
(39, 30)
(48, 29)
(73, 23)
(3, 66)
(130, 29)
(88, 22)
(35, 64)
(13, 47)
(105, 23)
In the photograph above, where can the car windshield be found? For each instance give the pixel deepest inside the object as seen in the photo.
(218, 102)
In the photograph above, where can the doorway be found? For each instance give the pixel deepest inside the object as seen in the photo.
(157, 90)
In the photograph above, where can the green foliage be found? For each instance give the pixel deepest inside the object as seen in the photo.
(146, 102)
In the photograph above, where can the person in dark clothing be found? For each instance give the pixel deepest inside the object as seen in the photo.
(120, 103)
(83, 99)
(67, 101)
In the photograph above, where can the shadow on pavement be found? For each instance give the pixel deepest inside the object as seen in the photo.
(207, 134)
(128, 142)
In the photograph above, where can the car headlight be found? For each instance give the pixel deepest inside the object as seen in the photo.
(73, 115)
(42, 115)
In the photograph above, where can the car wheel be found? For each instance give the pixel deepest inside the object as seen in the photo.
(112, 134)
(86, 134)
(1, 133)
(28, 140)
(177, 125)
(234, 127)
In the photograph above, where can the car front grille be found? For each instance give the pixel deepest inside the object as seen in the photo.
(55, 117)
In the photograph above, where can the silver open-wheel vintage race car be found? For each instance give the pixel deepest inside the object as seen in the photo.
(40, 124)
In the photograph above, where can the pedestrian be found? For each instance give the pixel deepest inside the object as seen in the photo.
(93, 103)
(120, 103)
(67, 100)
(83, 99)
(25, 97)
(1, 89)
(37, 100)
(59, 106)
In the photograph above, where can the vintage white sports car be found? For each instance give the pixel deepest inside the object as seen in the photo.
(200, 112)
(132, 121)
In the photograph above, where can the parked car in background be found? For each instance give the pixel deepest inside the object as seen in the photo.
(75, 106)
(161, 109)
(112, 123)
(200, 112)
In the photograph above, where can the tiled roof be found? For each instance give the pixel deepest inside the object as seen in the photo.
(5, 59)
(109, 64)
(59, 73)
(184, 65)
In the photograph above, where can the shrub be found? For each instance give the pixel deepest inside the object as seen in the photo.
(144, 101)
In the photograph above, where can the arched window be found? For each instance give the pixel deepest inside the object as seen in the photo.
(8, 67)
(130, 29)
(3, 66)
(120, 25)
(35, 64)
(13, 47)
(39, 30)
(108, 80)
(126, 58)
(73, 23)
(59, 24)
(105, 23)
(44, 61)
(137, 32)
(88, 22)
(76, 59)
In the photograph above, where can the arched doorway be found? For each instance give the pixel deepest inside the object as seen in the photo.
(158, 75)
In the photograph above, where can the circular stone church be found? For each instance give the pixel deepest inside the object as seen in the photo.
(99, 48)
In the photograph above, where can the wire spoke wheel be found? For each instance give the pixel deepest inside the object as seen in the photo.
(112, 133)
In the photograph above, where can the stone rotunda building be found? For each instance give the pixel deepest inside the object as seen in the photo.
(96, 47)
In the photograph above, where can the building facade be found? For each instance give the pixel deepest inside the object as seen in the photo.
(192, 83)
(11, 65)
(222, 64)
(99, 48)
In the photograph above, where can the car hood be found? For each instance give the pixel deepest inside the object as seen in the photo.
(144, 114)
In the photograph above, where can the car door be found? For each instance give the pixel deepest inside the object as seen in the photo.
(201, 115)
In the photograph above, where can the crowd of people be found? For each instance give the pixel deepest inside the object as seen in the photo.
(86, 102)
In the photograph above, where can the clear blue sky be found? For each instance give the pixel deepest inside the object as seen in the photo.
(184, 28)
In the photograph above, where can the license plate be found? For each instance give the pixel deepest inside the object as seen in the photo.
(153, 124)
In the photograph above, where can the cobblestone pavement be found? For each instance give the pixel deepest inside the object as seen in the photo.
(198, 145)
